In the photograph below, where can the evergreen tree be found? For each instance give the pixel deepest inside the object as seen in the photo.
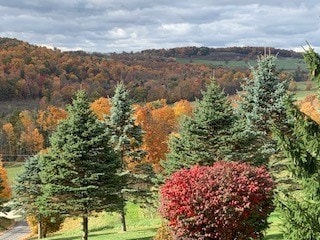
(28, 198)
(80, 171)
(202, 138)
(262, 103)
(126, 140)
(300, 143)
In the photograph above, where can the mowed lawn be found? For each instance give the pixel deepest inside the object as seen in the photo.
(13, 169)
(141, 223)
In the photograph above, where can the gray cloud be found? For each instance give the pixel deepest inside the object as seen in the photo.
(123, 25)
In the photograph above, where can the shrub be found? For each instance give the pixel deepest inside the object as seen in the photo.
(228, 200)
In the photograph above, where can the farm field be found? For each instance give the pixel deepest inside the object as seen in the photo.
(282, 63)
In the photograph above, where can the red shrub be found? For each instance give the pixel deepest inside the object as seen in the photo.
(228, 200)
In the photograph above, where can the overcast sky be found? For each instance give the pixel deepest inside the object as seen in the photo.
(134, 25)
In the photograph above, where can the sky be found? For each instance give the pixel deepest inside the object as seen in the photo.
(134, 25)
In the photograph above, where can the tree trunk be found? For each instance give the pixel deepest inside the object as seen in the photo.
(85, 227)
(40, 230)
(123, 220)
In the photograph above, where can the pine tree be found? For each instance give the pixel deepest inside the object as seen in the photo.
(80, 171)
(28, 197)
(127, 138)
(262, 104)
(301, 145)
(202, 138)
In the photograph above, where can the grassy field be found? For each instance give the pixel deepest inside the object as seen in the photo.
(302, 92)
(13, 169)
(274, 231)
(283, 63)
(142, 224)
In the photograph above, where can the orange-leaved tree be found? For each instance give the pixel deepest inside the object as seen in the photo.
(310, 105)
(10, 137)
(48, 120)
(101, 107)
(31, 139)
(5, 193)
(157, 123)
(182, 108)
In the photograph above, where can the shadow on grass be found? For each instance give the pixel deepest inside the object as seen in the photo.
(141, 238)
(101, 229)
(57, 237)
(276, 236)
(92, 234)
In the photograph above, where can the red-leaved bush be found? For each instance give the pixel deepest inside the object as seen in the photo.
(228, 200)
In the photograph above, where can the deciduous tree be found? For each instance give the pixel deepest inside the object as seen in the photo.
(158, 121)
(101, 107)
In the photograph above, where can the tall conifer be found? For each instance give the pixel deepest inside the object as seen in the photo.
(28, 197)
(300, 142)
(202, 138)
(126, 140)
(262, 104)
(80, 171)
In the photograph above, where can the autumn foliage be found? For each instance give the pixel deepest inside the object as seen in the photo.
(5, 193)
(50, 224)
(228, 200)
(310, 105)
(101, 107)
(157, 123)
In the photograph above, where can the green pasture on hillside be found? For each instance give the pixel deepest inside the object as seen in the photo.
(282, 63)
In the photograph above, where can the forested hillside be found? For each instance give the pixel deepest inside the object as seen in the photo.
(33, 72)
(29, 72)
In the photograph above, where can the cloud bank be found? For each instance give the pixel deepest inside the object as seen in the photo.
(134, 25)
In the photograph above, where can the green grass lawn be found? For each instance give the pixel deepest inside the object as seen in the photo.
(282, 63)
(141, 223)
(301, 91)
(13, 169)
(274, 231)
